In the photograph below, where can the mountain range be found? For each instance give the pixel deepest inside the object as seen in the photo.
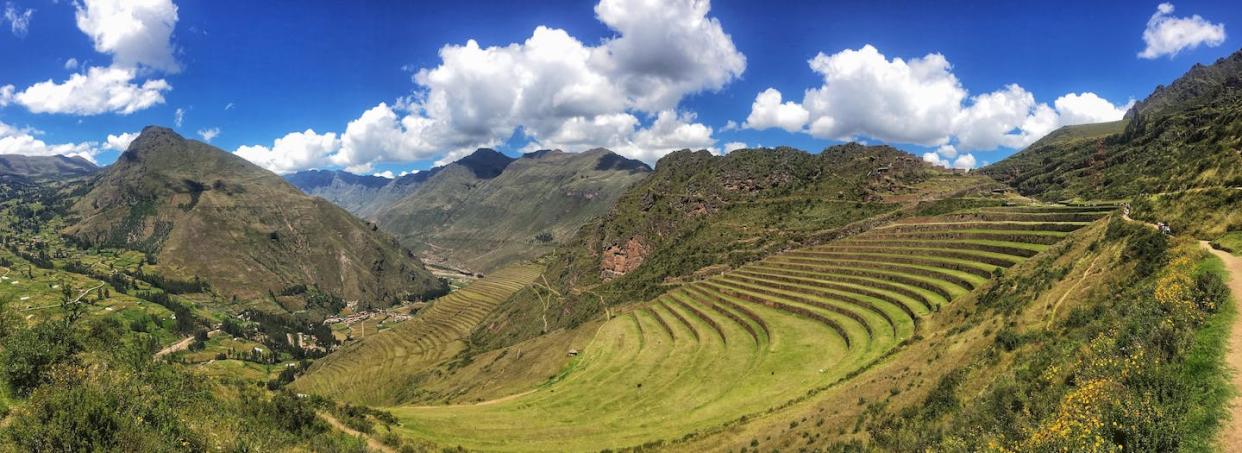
(486, 209)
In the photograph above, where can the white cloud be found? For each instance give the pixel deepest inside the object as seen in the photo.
(208, 134)
(387, 174)
(621, 133)
(920, 101)
(120, 142)
(19, 21)
(1088, 108)
(99, 90)
(864, 93)
(1169, 35)
(178, 116)
(228, 106)
(734, 146)
(137, 33)
(7, 94)
(293, 152)
(665, 50)
(14, 140)
(558, 91)
(767, 112)
(947, 156)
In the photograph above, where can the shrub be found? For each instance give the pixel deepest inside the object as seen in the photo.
(29, 355)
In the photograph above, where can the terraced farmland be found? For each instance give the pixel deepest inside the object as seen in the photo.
(754, 338)
(375, 370)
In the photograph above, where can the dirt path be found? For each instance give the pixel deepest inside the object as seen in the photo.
(181, 345)
(372, 443)
(1052, 315)
(1231, 434)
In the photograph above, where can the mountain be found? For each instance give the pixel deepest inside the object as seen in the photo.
(1176, 156)
(346, 189)
(45, 167)
(203, 212)
(368, 196)
(699, 214)
(1184, 136)
(486, 209)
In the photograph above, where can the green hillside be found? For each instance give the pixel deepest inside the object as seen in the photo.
(1184, 136)
(202, 213)
(715, 351)
(700, 214)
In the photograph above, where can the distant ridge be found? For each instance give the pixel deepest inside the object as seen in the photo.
(45, 167)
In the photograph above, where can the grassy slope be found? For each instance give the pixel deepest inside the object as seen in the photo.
(211, 214)
(669, 346)
(1177, 155)
(384, 367)
(1008, 368)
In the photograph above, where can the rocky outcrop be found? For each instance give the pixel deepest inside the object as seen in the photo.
(621, 259)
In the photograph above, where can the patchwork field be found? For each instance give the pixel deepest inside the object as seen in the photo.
(376, 369)
(757, 337)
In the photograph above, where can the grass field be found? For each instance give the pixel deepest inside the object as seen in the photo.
(377, 368)
(709, 352)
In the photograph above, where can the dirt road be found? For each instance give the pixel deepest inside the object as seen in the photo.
(1231, 433)
(181, 345)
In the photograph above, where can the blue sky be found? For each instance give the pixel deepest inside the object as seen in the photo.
(259, 72)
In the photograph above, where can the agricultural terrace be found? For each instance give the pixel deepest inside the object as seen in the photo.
(757, 337)
(377, 369)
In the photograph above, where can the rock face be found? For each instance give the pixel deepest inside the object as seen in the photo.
(208, 213)
(619, 260)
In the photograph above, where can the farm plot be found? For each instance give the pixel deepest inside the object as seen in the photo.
(376, 369)
(754, 338)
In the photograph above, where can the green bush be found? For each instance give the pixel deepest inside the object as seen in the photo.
(29, 355)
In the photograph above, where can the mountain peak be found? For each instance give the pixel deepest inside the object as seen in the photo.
(486, 163)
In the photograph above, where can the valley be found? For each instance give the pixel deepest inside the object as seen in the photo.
(639, 229)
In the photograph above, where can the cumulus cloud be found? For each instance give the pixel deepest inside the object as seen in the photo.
(767, 112)
(208, 134)
(948, 157)
(19, 21)
(665, 50)
(1169, 35)
(293, 152)
(120, 142)
(920, 101)
(99, 90)
(734, 146)
(1085, 108)
(557, 91)
(136, 33)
